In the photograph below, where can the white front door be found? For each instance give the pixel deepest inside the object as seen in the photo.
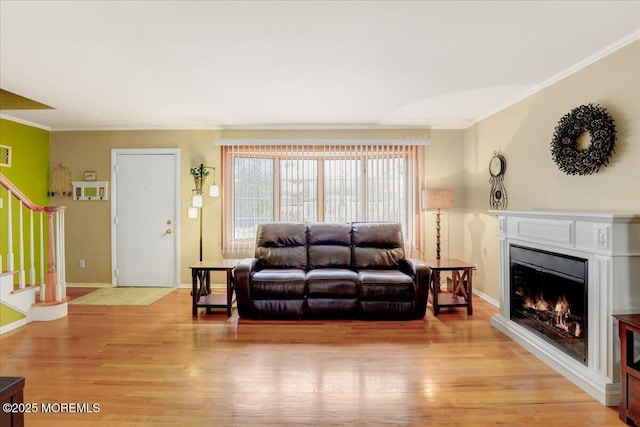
(145, 217)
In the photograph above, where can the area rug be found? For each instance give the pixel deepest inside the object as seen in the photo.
(122, 296)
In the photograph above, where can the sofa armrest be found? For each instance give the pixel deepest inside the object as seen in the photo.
(242, 273)
(421, 274)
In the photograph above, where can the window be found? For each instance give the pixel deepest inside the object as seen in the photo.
(253, 195)
(317, 183)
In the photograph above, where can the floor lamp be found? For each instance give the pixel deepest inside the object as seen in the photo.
(199, 174)
(437, 199)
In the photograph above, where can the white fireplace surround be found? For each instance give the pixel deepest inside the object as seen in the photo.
(610, 242)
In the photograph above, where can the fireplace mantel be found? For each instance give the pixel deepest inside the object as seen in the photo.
(610, 242)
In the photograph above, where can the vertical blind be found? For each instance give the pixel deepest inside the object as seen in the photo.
(327, 183)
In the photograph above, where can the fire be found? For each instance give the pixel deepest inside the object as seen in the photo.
(539, 304)
(560, 312)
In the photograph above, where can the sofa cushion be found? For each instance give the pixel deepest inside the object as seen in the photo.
(278, 283)
(282, 245)
(329, 245)
(387, 285)
(327, 307)
(377, 245)
(277, 308)
(388, 309)
(332, 282)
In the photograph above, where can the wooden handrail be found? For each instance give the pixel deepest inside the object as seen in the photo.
(4, 181)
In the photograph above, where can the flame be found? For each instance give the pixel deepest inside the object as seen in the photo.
(538, 304)
(561, 313)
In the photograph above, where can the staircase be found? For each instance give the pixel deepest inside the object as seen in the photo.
(29, 299)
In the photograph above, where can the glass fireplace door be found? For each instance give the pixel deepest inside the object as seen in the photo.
(549, 296)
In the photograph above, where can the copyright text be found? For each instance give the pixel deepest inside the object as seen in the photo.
(51, 407)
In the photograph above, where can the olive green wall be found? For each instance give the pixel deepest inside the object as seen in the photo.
(29, 172)
(523, 134)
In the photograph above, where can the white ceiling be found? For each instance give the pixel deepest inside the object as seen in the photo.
(205, 64)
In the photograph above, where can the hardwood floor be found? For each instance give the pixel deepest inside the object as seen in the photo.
(156, 365)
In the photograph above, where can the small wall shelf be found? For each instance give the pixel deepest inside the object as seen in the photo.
(90, 190)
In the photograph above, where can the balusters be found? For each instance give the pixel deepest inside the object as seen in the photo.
(61, 286)
(42, 271)
(10, 260)
(32, 264)
(21, 278)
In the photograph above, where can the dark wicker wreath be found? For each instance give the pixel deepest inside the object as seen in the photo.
(564, 149)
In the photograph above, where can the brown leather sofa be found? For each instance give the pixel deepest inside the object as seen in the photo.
(357, 270)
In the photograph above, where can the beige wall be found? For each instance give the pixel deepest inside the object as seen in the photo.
(444, 169)
(88, 223)
(523, 133)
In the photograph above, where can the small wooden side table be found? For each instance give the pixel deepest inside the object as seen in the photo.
(11, 397)
(462, 291)
(628, 328)
(201, 285)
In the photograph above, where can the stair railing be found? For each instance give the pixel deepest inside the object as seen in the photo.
(52, 282)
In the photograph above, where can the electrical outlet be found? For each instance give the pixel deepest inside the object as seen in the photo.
(81, 263)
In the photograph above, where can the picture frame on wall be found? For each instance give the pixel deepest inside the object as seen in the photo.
(89, 175)
(5, 156)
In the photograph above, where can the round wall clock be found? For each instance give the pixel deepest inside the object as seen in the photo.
(496, 165)
(498, 194)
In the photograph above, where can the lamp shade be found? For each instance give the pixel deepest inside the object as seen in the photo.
(192, 213)
(197, 200)
(214, 191)
(437, 199)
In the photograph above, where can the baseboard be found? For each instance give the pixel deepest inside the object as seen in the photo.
(487, 298)
(88, 285)
(13, 325)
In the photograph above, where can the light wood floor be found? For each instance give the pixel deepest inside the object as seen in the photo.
(156, 365)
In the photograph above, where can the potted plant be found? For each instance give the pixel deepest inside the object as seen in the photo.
(199, 174)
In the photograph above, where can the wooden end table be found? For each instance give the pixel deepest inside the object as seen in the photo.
(201, 285)
(11, 398)
(628, 328)
(462, 291)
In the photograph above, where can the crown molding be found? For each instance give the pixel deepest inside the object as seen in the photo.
(562, 75)
(24, 122)
(322, 126)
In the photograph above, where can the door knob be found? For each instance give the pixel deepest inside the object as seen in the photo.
(169, 231)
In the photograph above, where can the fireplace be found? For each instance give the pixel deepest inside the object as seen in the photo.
(562, 277)
(548, 295)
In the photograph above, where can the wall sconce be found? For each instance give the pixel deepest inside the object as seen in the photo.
(200, 174)
(437, 199)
